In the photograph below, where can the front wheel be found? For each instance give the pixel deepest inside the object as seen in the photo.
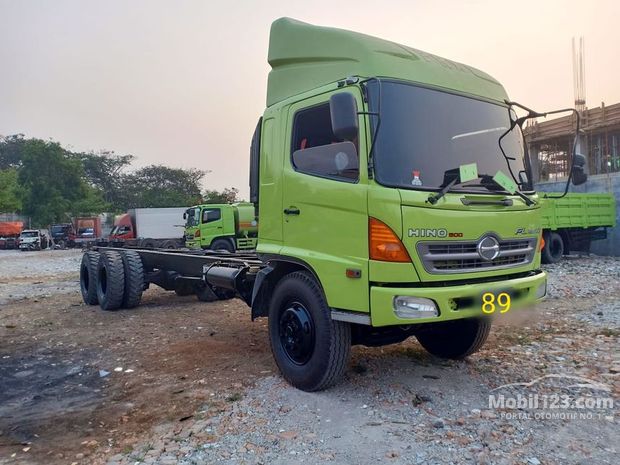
(310, 349)
(223, 244)
(455, 339)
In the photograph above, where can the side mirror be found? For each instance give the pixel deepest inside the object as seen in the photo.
(578, 174)
(343, 109)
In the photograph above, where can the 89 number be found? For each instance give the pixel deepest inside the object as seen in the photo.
(490, 302)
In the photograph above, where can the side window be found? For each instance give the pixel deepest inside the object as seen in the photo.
(317, 152)
(211, 214)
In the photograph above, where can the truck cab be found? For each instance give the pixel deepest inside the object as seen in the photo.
(227, 227)
(33, 239)
(123, 228)
(352, 169)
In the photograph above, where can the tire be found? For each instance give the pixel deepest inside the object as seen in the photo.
(88, 277)
(222, 244)
(554, 248)
(310, 349)
(147, 244)
(455, 339)
(134, 279)
(169, 244)
(110, 280)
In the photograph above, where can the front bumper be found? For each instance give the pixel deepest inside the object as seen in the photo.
(192, 243)
(454, 302)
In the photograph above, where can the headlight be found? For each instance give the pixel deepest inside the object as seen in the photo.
(407, 307)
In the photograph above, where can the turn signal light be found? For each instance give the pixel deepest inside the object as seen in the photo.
(384, 244)
(542, 244)
(197, 233)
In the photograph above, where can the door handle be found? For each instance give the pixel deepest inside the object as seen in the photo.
(291, 211)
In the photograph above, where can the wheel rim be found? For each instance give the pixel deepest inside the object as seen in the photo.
(297, 333)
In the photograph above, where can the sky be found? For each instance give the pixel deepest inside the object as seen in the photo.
(183, 82)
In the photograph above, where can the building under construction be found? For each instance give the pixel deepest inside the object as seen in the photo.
(550, 145)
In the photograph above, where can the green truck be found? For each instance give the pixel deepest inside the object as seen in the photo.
(227, 227)
(394, 200)
(572, 222)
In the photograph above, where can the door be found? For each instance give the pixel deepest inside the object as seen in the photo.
(325, 218)
(212, 225)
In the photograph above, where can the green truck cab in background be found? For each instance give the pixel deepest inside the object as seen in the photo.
(358, 138)
(228, 227)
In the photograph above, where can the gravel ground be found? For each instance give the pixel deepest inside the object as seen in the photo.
(38, 274)
(399, 405)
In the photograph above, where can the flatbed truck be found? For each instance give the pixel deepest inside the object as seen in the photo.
(384, 206)
(572, 222)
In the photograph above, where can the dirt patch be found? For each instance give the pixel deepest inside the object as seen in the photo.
(60, 393)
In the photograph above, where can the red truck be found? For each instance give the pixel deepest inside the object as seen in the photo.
(9, 234)
(149, 227)
(79, 232)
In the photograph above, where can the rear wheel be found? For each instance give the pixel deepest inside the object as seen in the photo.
(134, 279)
(554, 248)
(88, 277)
(455, 339)
(110, 280)
(223, 244)
(310, 349)
(169, 244)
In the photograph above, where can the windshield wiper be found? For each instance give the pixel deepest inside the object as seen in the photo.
(434, 198)
(488, 183)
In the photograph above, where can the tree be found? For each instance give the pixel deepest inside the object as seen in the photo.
(104, 171)
(228, 195)
(11, 148)
(10, 200)
(161, 186)
(53, 184)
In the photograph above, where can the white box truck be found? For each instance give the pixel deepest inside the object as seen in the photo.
(149, 227)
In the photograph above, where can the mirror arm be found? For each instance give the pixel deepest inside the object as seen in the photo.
(572, 165)
(535, 114)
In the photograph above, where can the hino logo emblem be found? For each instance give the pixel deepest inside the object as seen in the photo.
(488, 248)
(428, 232)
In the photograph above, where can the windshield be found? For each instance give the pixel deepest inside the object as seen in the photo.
(30, 234)
(424, 133)
(193, 217)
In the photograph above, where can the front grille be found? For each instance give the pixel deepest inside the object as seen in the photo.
(462, 256)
